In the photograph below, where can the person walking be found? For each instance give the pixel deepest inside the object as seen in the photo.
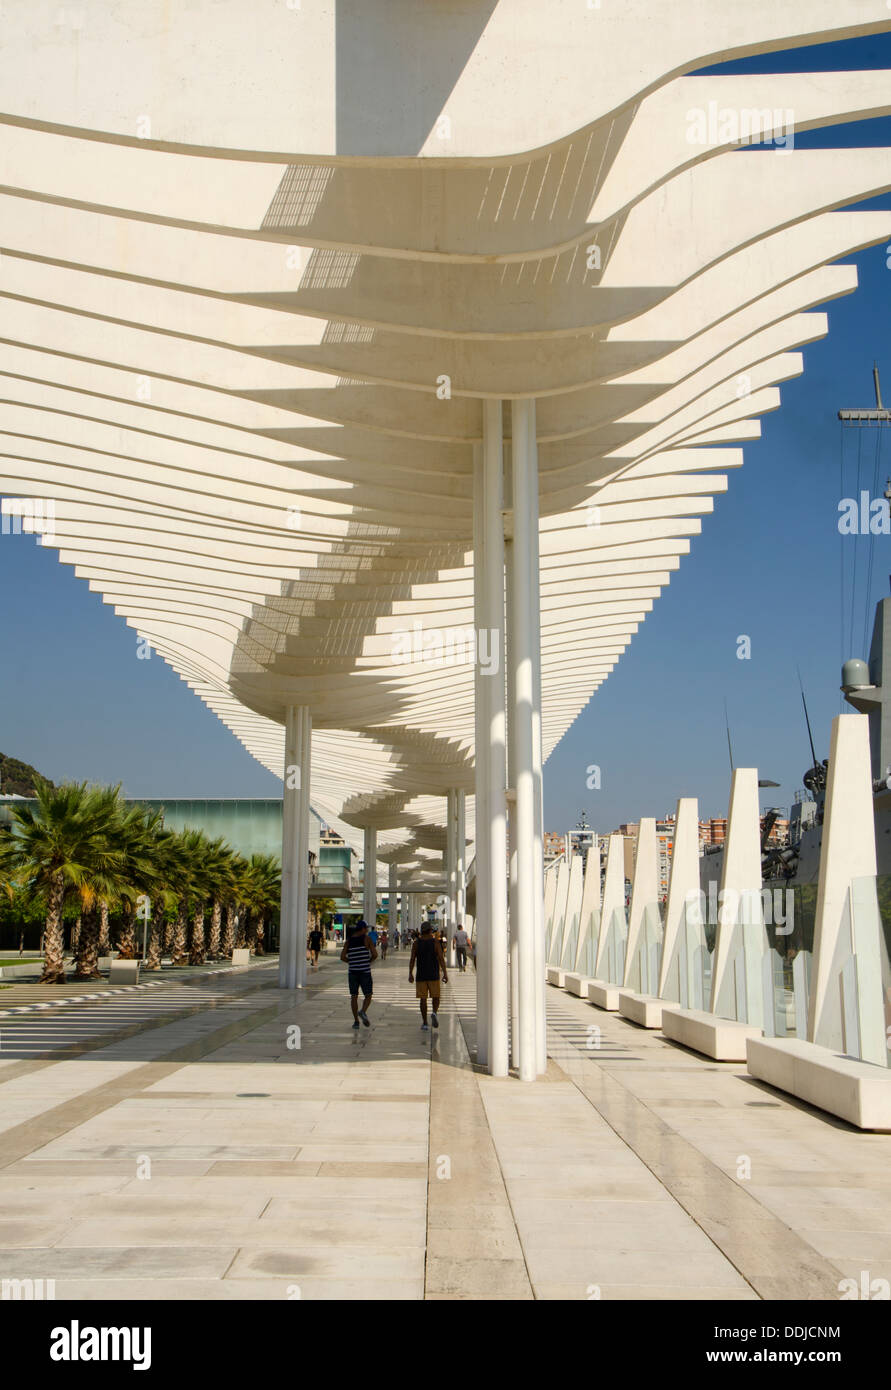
(385, 941)
(461, 941)
(358, 953)
(426, 954)
(315, 946)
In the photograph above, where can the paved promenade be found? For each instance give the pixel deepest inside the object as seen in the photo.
(212, 1139)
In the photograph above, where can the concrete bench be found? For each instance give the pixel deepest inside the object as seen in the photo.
(556, 977)
(721, 1038)
(241, 956)
(859, 1092)
(603, 994)
(574, 983)
(123, 972)
(643, 1009)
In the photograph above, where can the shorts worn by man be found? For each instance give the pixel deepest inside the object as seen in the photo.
(426, 954)
(358, 953)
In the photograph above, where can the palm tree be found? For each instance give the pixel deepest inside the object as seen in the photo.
(64, 847)
(264, 890)
(233, 890)
(219, 864)
(104, 881)
(167, 868)
(10, 863)
(138, 831)
(202, 888)
(190, 892)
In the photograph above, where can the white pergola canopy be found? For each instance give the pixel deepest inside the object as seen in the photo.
(260, 272)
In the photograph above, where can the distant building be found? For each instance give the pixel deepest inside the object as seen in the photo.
(554, 845)
(712, 832)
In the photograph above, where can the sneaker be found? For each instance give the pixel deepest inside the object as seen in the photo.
(364, 1017)
(424, 1028)
(356, 1026)
(434, 1020)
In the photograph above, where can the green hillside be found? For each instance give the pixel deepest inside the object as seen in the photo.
(17, 778)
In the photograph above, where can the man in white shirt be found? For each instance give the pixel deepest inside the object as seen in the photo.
(461, 940)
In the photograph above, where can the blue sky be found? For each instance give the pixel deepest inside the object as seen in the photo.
(77, 702)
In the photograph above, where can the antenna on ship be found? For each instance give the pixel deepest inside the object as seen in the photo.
(727, 725)
(807, 719)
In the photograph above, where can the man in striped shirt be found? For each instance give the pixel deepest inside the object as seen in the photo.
(358, 953)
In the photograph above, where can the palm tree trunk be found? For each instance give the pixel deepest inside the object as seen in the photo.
(228, 945)
(243, 925)
(156, 926)
(104, 933)
(259, 948)
(197, 954)
(127, 944)
(213, 946)
(87, 960)
(180, 928)
(53, 939)
(75, 933)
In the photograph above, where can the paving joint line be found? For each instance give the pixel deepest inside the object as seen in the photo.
(688, 1202)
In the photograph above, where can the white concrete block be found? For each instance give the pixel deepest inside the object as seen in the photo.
(556, 976)
(123, 972)
(859, 1092)
(721, 1038)
(242, 956)
(848, 925)
(604, 995)
(573, 983)
(610, 958)
(644, 1009)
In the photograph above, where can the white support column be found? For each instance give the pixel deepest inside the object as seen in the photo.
(481, 768)
(369, 896)
(495, 749)
(295, 847)
(524, 648)
(460, 858)
(303, 847)
(451, 866)
(512, 892)
(541, 1021)
(391, 901)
